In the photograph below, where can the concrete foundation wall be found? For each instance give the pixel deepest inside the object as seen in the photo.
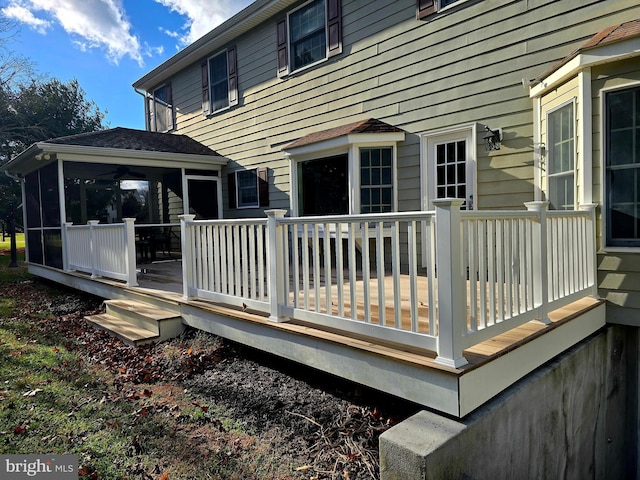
(574, 418)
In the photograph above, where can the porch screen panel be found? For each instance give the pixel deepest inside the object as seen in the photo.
(34, 244)
(52, 248)
(623, 167)
(32, 191)
(50, 195)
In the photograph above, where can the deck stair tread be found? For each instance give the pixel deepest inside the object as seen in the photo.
(144, 309)
(122, 329)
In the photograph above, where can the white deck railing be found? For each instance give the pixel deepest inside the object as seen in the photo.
(103, 250)
(382, 276)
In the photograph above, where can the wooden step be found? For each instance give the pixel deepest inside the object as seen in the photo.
(164, 323)
(124, 330)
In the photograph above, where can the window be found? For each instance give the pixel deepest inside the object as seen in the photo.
(424, 8)
(219, 82)
(622, 167)
(160, 109)
(248, 188)
(376, 180)
(323, 186)
(310, 34)
(561, 147)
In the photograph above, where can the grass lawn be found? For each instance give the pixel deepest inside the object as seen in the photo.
(6, 243)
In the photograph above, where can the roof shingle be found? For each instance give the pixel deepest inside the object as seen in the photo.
(370, 125)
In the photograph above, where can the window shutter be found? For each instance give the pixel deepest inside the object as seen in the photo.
(334, 26)
(231, 187)
(151, 111)
(206, 105)
(425, 8)
(283, 49)
(169, 109)
(263, 186)
(233, 76)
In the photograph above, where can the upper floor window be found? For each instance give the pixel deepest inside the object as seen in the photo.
(219, 82)
(560, 175)
(424, 8)
(160, 109)
(622, 167)
(310, 34)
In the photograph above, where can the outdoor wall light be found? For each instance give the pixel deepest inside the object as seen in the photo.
(492, 139)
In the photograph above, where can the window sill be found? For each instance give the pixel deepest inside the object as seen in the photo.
(605, 250)
(302, 69)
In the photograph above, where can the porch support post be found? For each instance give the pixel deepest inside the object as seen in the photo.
(592, 262)
(187, 254)
(65, 246)
(275, 263)
(130, 251)
(93, 248)
(540, 260)
(452, 291)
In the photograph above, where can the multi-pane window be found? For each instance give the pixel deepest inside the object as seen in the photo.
(376, 180)
(160, 109)
(622, 165)
(307, 34)
(219, 81)
(247, 188)
(561, 145)
(451, 169)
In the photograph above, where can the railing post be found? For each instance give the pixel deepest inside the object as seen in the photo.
(65, 245)
(93, 249)
(130, 251)
(541, 262)
(275, 263)
(452, 291)
(591, 248)
(186, 245)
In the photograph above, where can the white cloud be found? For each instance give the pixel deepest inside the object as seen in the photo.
(202, 16)
(24, 15)
(95, 23)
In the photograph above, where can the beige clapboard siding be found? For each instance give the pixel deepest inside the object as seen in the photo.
(404, 72)
(619, 284)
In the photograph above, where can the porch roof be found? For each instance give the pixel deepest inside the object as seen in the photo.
(118, 146)
(611, 44)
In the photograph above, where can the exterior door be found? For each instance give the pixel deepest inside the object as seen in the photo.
(450, 168)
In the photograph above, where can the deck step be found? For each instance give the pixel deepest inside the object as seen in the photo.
(164, 323)
(122, 329)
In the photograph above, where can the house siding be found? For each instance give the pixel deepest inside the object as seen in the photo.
(461, 66)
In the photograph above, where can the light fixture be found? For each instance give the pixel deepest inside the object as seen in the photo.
(492, 139)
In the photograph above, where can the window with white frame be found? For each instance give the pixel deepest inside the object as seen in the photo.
(220, 82)
(248, 188)
(160, 109)
(622, 167)
(424, 8)
(309, 34)
(561, 158)
(376, 180)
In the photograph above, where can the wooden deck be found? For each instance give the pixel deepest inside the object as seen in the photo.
(493, 364)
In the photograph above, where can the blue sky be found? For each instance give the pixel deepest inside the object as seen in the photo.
(108, 44)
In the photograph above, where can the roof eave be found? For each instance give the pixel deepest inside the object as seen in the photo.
(248, 18)
(592, 57)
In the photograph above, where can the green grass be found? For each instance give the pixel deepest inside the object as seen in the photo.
(6, 243)
(12, 274)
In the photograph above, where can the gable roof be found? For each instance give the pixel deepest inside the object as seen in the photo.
(609, 37)
(131, 139)
(370, 125)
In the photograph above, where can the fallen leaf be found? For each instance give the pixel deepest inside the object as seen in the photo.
(303, 468)
(164, 476)
(32, 393)
(20, 429)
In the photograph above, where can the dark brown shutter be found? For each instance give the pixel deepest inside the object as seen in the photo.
(206, 104)
(334, 25)
(233, 76)
(231, 187)
(169, 110)
(425, 8)
(263, 186)
(283, 49)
